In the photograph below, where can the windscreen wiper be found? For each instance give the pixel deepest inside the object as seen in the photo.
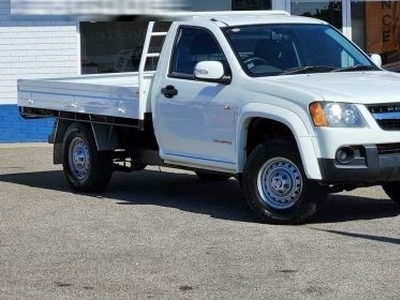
(356, 68)
(308, 69)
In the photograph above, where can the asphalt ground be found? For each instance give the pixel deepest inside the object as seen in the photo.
(163, 234)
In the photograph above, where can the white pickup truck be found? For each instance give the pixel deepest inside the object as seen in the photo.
(285, 104)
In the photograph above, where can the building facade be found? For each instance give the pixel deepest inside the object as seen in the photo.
(31, 50)
(52, 48)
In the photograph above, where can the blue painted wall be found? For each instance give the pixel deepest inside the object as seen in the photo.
(13, 128)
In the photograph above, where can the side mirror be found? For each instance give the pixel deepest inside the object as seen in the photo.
(211, 71)
(376, 59)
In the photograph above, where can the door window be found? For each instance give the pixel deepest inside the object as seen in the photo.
(192, 46)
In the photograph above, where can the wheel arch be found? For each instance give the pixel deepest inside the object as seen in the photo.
(57, 139)
(104, 137)
(85, 168)
(257, 125)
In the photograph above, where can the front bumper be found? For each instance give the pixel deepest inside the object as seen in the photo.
(370, 164)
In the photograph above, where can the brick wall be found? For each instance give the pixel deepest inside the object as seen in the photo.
(31, 50)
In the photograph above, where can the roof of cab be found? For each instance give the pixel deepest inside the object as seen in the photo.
(237, 18)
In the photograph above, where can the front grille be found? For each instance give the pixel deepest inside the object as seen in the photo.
(389, 124)
(387, 116)
(388, 148)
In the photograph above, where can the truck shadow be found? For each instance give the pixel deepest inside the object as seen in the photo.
(342, 208)
(362, 236)
(222, 200)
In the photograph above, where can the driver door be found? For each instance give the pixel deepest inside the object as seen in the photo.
(196, 118)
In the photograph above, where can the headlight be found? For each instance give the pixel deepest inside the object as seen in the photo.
(333, 114)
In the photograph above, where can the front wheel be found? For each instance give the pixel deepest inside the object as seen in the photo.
(86, 169)
(276, 187)
(392, 189)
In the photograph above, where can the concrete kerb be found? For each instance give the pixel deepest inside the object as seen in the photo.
(25, 145)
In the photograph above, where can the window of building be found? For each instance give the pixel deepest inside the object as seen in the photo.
(375, 25)
(108, 47)
(251, 4)
(376, 29)
(330, 11)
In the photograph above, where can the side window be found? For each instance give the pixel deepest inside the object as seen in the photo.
(192, 46)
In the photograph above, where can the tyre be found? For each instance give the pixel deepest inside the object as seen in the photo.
(209, 176)
(86, 169)
(276, 187)
(392, 189)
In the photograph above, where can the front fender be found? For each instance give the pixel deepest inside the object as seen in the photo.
(305, 137)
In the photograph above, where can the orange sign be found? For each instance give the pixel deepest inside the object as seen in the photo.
(382, 26)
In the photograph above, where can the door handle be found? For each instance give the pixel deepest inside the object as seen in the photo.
(169, 91)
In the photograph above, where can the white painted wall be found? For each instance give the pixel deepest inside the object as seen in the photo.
(34, 49)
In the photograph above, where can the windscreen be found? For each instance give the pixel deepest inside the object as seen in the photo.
(270, 50)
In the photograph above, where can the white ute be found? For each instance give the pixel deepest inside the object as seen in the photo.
(285, 104)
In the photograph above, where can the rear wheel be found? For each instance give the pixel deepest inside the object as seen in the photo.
(392, 189)
(86, 169)
(276, 187)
